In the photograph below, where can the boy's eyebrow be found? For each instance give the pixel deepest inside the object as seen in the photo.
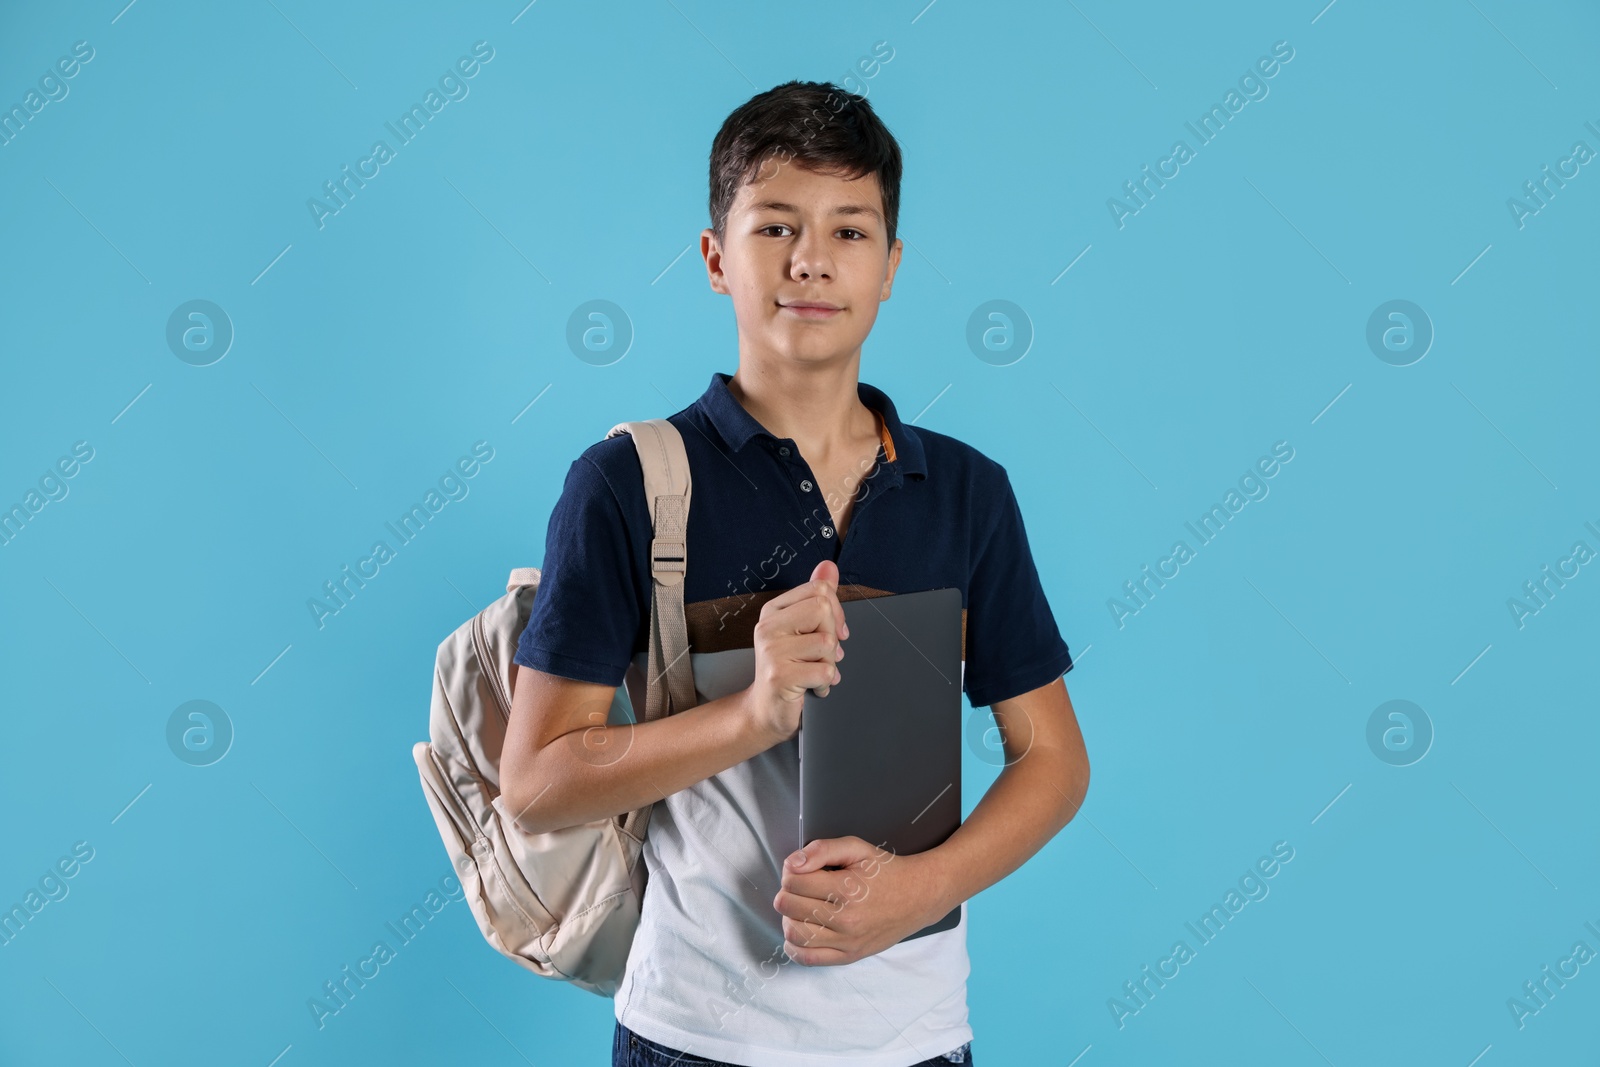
(842, 209)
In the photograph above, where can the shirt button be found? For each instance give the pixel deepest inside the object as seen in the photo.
(827, 531)
(784, 450)
(805, 485)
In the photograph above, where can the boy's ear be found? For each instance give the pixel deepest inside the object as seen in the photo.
(894, 264)
(711, 252)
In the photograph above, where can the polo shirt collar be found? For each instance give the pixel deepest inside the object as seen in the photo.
(737, 426)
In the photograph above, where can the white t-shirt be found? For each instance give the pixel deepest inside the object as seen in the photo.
(707, 974)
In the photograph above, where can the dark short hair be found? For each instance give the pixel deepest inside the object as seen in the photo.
(815, 124)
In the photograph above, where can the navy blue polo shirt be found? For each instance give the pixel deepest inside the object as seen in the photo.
(933, 513)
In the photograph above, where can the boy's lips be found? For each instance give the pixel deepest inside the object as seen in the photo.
(812, 309)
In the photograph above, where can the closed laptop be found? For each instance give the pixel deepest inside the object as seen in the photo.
(880, 755)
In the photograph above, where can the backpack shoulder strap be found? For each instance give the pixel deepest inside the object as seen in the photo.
(666, 488)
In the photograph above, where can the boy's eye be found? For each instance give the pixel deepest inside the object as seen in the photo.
(858, 235)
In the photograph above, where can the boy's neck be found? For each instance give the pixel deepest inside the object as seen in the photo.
(817, 407)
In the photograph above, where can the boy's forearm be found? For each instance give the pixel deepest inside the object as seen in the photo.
(602, 771)
(1027, 805)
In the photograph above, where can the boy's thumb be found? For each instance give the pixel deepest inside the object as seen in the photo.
(823, 852)
(827, 570)
(806, 859)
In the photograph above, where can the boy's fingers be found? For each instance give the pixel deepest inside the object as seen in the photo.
(800, 593)
(826, 575)
(814, 607)
(828, 571)
(809, 609)
(803, 933)
(841, 627)
(809, 639)
(814, 651)
(823, 584)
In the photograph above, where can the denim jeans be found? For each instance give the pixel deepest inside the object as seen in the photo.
(628, 1049)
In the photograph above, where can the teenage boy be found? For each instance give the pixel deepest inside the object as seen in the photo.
(808, 489)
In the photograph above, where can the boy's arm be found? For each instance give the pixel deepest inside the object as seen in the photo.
(1038, 792)
(837, 917)
(562, 765)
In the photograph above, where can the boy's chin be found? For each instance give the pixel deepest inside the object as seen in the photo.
(812, 354)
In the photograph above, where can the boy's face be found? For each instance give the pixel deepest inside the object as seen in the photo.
(794, 236)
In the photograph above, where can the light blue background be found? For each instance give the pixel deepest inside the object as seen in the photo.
(1228, 314)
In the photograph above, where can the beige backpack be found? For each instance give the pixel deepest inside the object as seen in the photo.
(563, 904)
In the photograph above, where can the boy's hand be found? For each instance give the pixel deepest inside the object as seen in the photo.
(877, 898)
(797, 644)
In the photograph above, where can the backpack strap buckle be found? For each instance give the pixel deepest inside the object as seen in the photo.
(669, 545)
(667, 559)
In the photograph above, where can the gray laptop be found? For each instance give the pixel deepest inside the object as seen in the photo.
(880, 755)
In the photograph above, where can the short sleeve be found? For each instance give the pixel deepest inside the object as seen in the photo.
(1012, 643)
(586, 617)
